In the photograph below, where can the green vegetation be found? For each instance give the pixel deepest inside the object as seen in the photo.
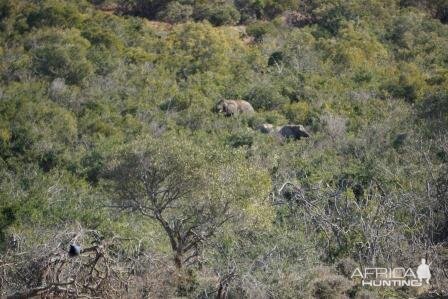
(109, 138)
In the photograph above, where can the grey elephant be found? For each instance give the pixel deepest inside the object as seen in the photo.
(234, 107)
(293, 131)
(287, 131)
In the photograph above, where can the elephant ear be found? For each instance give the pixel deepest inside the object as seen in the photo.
(303, 131)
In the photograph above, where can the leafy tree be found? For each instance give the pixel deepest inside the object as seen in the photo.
(191, 191)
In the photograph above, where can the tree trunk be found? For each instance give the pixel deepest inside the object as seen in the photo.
(178, 260)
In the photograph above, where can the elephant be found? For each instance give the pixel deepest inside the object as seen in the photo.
(266, 128)
(287, 131)
(293, 131)
(234, 107)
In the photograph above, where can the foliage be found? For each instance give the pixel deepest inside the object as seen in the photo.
(259, 29)
(265, 97)
(60, 54)
(109, 138)
(183, 188)
(55, 14)
(218, 15)
(176, 13)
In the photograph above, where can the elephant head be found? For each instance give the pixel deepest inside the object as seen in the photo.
(221, 106)
(227, 107)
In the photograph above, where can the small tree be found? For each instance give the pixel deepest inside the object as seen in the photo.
(190, 191)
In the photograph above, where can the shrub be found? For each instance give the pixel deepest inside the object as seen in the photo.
(435, 108)
(410, 85)
(297, 112)
(147, 8)
(402, 28)
(259, 29)
(265, 97)
(92, 165)
(237, 140)
(102, 59)
(137, 55)
(177, 103)
(265, 9)
(98, 34)
(55, 13)
(60, 54)
(270, 117)
(5, 9)
(175, 13)
(442, 10)
(335, 126)
(438, 8)
(357, 49)
(48, 161)
(217, 14)
(200, 48)
(276, 58)
(346, 266)
(328, 285)
(333, 14)
(7, 218)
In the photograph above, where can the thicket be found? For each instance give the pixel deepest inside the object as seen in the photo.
(109, 140)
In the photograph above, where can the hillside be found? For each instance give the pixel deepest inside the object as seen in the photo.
(127, 171)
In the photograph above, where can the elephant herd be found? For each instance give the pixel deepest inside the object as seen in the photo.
(237, 107)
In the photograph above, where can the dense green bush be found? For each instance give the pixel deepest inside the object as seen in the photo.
(60, 53)
(264, 9)
(259, 29)
(265, 97)
(177, 103)
(237, 140)
(55, 13)
(148, 8)
(437, 8)
(175, 13)
(217, 14)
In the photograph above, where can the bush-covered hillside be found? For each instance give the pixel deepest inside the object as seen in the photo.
(112, 148)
